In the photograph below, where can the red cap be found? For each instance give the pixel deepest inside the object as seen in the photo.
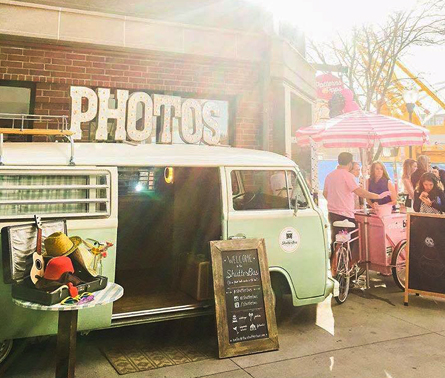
(57, 266)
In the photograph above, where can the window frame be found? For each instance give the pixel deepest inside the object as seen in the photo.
(32, 101)
(23, 84)
(299, 181)
(237, 173)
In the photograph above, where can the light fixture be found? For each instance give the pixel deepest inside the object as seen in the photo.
(139, 187)
(410, 96)
(169, 175)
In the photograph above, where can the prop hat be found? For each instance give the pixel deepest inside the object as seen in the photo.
(57, 266)
(58, 244)
(87, 259)
(57, 273)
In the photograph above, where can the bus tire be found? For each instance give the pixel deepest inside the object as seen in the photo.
(5, 349)
(279, 288)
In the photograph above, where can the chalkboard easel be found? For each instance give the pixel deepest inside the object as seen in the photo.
(425, 259)
(245, 313)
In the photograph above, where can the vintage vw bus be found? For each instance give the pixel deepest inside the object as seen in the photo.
(161, 205)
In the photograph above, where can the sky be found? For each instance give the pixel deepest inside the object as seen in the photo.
(318, 18)
(321, 19)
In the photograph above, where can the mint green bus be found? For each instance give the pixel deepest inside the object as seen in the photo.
(160, 205)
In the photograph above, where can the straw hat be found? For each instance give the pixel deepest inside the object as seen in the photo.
(58, 244)
(87, 259)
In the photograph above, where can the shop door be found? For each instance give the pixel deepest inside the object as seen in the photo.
(261, 205)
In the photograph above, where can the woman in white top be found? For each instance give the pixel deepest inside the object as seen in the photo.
(409, 167)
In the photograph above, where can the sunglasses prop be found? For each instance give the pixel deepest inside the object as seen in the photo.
(79, 299)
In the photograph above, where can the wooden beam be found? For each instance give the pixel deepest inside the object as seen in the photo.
(35, 132)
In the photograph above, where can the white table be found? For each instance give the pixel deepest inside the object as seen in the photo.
(67, 326)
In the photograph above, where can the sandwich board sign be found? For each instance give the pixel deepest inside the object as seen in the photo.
(425, 261)
(244, 305)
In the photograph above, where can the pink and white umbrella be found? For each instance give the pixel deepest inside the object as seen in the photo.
(363, 129)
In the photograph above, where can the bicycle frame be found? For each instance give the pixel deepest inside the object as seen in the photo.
(341, 268)
(348, 248)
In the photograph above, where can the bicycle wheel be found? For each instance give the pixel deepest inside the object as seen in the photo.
(342, 275)
(398, 271)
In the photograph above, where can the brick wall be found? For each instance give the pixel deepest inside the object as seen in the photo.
(56, 68)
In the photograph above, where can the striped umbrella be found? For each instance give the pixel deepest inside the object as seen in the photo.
(363, 129)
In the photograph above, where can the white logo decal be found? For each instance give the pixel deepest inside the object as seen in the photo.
(429, 242)
(289, 240)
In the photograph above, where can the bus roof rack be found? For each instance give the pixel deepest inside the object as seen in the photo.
(20, 125)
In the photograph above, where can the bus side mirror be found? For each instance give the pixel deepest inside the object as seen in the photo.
(294, 204)
(315, 197)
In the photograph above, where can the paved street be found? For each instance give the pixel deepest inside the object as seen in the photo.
(371, 335)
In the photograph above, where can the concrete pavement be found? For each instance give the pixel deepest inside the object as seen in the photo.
(371, 335)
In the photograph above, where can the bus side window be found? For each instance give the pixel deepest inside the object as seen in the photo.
(259, 190)
(235, 183)
(296, 192)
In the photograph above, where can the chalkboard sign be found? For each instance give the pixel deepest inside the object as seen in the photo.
(425, 266)
(243, 298)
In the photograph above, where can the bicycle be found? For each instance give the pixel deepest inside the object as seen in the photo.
(342, 256)
(344, 268)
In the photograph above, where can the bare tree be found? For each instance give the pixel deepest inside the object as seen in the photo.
(371, 52)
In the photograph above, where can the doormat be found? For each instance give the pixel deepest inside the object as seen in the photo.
(144, 356)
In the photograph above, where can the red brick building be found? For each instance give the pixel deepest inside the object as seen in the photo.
(264, 84)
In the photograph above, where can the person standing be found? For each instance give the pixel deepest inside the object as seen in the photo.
(379, 183)
(339, 189)
(428, 198)
(409, 167)
(423, 166)
(355, 170)
(440, 174)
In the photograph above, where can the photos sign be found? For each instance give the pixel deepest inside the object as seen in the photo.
(136, 116)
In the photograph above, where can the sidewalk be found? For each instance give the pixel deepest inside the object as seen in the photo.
(371, 335)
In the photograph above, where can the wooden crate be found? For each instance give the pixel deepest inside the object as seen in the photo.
(196, 279)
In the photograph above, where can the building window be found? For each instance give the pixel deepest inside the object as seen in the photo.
(16, 97)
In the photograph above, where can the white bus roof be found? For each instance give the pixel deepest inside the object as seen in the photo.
(122, 154)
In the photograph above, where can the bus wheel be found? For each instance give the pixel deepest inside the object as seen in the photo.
(5, 349)
(278, 290)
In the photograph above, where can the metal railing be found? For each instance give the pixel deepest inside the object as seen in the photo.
(20, 125)
(18, 120)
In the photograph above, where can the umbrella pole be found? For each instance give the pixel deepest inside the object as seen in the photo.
(364, 158)
(396, 176)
